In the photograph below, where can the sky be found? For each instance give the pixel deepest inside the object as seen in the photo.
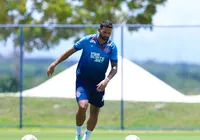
(161, 44)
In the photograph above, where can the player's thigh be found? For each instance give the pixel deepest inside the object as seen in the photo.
(82, 95)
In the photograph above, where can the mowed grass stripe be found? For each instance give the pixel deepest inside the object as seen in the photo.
(99, 135)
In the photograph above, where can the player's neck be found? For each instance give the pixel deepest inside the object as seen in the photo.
(100, 40)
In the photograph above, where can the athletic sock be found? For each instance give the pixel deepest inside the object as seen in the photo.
(87, 134)
(79, 130)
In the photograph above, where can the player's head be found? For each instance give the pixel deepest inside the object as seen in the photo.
(105, 29)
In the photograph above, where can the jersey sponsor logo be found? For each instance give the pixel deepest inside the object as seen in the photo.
(97, 57)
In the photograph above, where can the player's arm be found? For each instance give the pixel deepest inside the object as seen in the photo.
(63, 57)
(77, 46)
(113, 71)
(102, 85)
(114, 60)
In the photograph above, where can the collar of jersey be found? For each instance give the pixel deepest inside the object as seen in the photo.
(97, 41)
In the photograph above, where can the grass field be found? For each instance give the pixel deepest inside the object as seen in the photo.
(101, 135)
(54, 111)
(61, 112)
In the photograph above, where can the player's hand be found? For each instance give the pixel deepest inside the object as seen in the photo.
(102, 85)
(50, 69)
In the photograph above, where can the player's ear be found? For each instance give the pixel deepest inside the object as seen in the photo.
(99, 29)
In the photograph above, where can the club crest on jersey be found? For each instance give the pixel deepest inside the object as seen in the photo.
(109, 43)
(107, 50)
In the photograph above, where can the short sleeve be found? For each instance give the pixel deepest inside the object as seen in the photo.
(114, 54)
(80, 44)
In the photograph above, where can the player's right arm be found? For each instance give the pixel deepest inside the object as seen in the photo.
(63, 57)
(77, 46)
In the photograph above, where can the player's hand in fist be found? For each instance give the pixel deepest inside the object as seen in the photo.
(50, 69)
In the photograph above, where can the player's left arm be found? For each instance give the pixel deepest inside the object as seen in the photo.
(102, 85)
(114, 60)
(113, 70)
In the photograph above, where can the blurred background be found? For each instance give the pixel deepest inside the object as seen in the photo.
(160, 36)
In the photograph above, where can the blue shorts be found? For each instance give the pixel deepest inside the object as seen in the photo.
(88, 91)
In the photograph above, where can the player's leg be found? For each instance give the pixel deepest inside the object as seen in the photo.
(81, 113)
(82, 101)
(92, 121)
(96, 102)
(80, 117)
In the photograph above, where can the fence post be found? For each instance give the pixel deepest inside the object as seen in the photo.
(21, 78)
(122, 98)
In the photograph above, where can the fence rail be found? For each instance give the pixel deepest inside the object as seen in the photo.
(93, 26)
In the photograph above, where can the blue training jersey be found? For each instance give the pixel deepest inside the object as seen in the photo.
(95, 58)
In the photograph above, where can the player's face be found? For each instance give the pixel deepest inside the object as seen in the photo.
(105, 33)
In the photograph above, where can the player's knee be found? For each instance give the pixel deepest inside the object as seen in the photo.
(83, 105)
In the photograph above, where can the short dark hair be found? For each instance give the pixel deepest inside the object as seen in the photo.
(106, 23)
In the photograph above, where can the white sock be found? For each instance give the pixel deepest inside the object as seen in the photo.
(78, 130)
(87, 134)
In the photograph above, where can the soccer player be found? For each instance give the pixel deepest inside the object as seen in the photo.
(91, 79)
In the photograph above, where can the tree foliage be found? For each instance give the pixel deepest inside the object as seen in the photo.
(68, 12)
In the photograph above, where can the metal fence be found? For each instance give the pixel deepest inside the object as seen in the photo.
(135, 42)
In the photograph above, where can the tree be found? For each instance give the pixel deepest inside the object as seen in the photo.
(118, 11)
(67, 12)
(26, 12)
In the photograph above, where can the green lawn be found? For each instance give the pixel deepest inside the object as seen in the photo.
(54, 111)
(100, 135)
